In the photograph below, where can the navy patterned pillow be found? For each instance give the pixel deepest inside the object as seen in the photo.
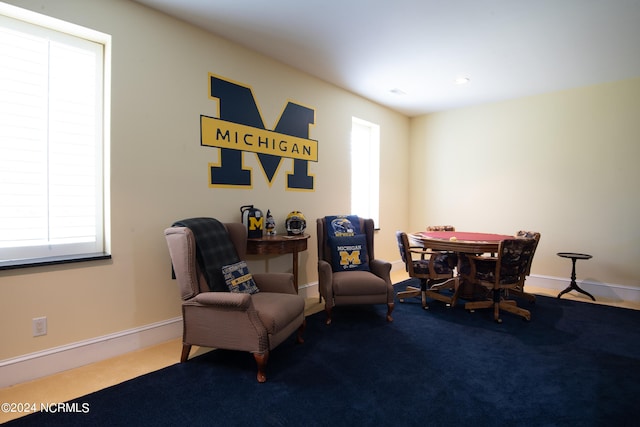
(349, 253)
(239, 279)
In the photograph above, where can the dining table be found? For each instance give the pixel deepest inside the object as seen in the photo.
(460, 242)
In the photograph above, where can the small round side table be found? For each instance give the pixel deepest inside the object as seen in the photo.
(574, 285)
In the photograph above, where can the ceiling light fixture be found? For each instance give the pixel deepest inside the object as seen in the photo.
(462, 80)
(397, 91)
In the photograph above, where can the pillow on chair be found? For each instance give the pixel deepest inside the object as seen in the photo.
(342, 225)
(239, 279)
(349, 253)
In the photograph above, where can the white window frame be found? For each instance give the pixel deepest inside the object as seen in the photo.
(365, 169)
(26, 247)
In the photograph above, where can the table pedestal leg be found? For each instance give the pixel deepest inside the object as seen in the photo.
(573, 285)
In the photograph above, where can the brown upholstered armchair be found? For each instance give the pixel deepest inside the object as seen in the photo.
(501, 273)
(255, 323)
(362, 286)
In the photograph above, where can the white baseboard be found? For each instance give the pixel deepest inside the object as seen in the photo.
(397, 265)
(606, 292)
(40, 364)
(309, 290)
(48, 362)
(51, 361)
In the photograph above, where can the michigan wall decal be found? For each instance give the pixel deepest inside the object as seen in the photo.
(240, 131)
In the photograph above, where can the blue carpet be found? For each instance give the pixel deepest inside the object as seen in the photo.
(573, 364)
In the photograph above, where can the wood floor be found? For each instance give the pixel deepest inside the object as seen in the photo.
(77, 382)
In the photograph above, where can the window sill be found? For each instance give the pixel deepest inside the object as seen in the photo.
(40, 262)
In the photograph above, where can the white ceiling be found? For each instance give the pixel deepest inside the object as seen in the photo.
(508, 48)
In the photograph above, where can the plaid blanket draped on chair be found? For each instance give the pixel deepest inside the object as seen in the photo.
(214, 249)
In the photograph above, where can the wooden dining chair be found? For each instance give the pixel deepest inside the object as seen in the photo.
(505, 271)
(434, 269)
(519, 290)
(441, 228)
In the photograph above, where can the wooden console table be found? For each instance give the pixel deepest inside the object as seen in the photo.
(279, 245)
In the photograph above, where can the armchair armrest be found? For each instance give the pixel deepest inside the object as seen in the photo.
(325, 272)
(325, 278)
(380, 268)
(275, 282)
(227, 300)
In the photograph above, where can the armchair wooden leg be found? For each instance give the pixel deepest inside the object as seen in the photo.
(390, 307)
(328, 311)
(300, 338)
(186, 348)
(261, 360)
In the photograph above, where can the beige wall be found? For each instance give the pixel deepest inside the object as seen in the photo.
(564, 164)
(159, 173)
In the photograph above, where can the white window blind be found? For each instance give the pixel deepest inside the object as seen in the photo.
(51, 143)
(365, 170)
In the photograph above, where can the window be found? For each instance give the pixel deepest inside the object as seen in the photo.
(365, 170)
(53, 127)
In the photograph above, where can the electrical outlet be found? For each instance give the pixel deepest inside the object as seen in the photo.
(39, 326)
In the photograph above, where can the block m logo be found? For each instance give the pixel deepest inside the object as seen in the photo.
(256, 223)
(240, 129)
(350, 258)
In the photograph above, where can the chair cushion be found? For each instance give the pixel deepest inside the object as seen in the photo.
(239, 279)
(486, 271)
(349, 253)
(276, 310)
(354, 283)
(442, 264)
